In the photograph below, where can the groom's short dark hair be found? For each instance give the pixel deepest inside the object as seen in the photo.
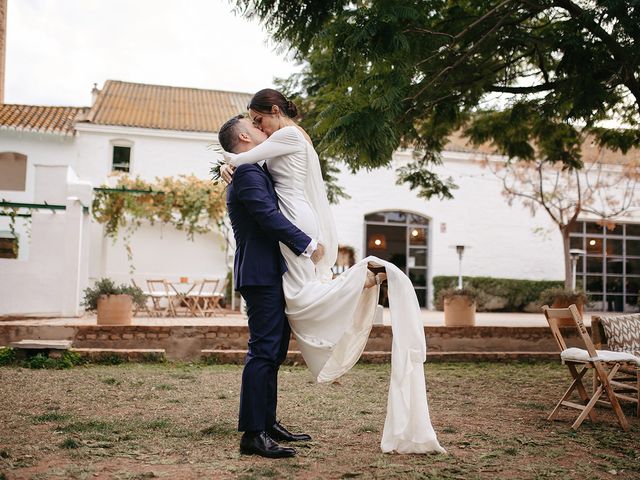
(228, 134)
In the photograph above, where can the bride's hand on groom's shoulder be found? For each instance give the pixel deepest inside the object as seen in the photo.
(226, 172)
(317, 254)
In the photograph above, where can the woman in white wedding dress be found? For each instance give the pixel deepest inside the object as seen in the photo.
(331, 317)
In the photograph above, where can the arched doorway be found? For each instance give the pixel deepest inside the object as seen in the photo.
(401, 238)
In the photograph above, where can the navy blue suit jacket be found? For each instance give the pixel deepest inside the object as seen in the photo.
(258, 226)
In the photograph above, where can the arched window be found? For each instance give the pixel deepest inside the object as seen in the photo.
(13, 171)
(401, 238)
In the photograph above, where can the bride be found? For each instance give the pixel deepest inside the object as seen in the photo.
(331, 317)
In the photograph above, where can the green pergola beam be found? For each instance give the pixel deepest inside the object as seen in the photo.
(35, 206)
(32, 206)
(127, 190)
(5, 214)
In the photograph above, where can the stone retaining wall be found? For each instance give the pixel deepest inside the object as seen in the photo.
(187, 342)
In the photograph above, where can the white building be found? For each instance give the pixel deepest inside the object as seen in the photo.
(57, 155)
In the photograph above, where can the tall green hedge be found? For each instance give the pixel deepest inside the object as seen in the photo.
(498, 294)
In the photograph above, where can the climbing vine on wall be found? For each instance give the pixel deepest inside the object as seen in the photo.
(185, 202)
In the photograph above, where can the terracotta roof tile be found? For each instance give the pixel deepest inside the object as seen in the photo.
(32, 118)
(164, 107)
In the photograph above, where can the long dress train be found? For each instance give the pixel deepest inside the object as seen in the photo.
(332, 317)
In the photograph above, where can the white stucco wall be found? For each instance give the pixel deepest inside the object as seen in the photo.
(506, 241)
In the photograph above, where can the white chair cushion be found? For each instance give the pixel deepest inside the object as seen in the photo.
(581, 355)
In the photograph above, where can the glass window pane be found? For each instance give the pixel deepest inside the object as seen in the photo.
(615, 303)
(633, 266)
(396, 217)
(614, 246)
(417, 236)
(633, 229)
(577, 227)
(593, 227)
(633, 285)
(615, 229)
(594, 245)
(418, 257)
(595, 303)
(419, 219)
(418, 276)
(576, 242)
(631, 304)
(421, 293)
(614, 264)
(594, 264)
(614, 284)
(594, 283)
(121, 156)
(375, 217)
(633, 247)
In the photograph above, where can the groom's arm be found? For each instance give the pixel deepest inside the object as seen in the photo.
(252, 190)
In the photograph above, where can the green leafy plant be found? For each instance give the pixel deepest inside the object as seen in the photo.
(185, 202)
(498, 294)
(7, 356)
(562, 295)
(106, 286)
(471, 294)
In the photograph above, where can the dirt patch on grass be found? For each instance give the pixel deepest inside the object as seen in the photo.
(178, 421)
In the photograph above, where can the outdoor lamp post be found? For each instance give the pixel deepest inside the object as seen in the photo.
(460, 252)
(575, 255)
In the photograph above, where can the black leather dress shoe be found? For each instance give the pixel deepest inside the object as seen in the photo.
(281, 434)
(260, 443)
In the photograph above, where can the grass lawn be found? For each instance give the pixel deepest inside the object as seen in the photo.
(174, 421)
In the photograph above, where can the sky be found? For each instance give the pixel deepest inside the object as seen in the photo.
(57, 49)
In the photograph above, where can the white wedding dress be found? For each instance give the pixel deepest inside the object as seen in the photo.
(331, 318)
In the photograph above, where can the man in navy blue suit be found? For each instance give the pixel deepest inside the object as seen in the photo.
(258, 228)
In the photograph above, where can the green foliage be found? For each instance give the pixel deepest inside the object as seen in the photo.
(471, 294)
(106, 286)
(496, 294)
(561, 294)
(379, 75)
(185, 202)
(68, 359)
(7, 356)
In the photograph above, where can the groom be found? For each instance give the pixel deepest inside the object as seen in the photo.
(258, 227)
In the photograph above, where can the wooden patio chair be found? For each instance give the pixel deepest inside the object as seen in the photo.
(159, 290)
(146, 294)
(211, 293)
(604, 363)
(620, 333)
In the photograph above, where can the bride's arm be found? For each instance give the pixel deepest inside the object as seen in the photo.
(281, 142)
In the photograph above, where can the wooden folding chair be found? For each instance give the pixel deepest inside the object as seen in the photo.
(626, 384)
(159, 289)
(211, 293)
(589, 358)
(146, 294)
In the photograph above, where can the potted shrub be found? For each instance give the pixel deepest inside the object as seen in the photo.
(114, 303)
(459, 306)
(559, 297)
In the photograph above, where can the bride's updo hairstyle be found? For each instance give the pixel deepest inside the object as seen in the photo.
(266, 98)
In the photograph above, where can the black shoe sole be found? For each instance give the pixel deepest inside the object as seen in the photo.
(247, 451)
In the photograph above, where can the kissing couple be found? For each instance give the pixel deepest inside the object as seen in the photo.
(286, 244)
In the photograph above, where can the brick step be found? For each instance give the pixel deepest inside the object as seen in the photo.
(128, 354)
(295, 357)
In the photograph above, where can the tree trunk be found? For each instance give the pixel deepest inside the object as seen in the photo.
(565, 230)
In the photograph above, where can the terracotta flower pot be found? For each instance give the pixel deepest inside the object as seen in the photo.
(459, 311)
(115, 309)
